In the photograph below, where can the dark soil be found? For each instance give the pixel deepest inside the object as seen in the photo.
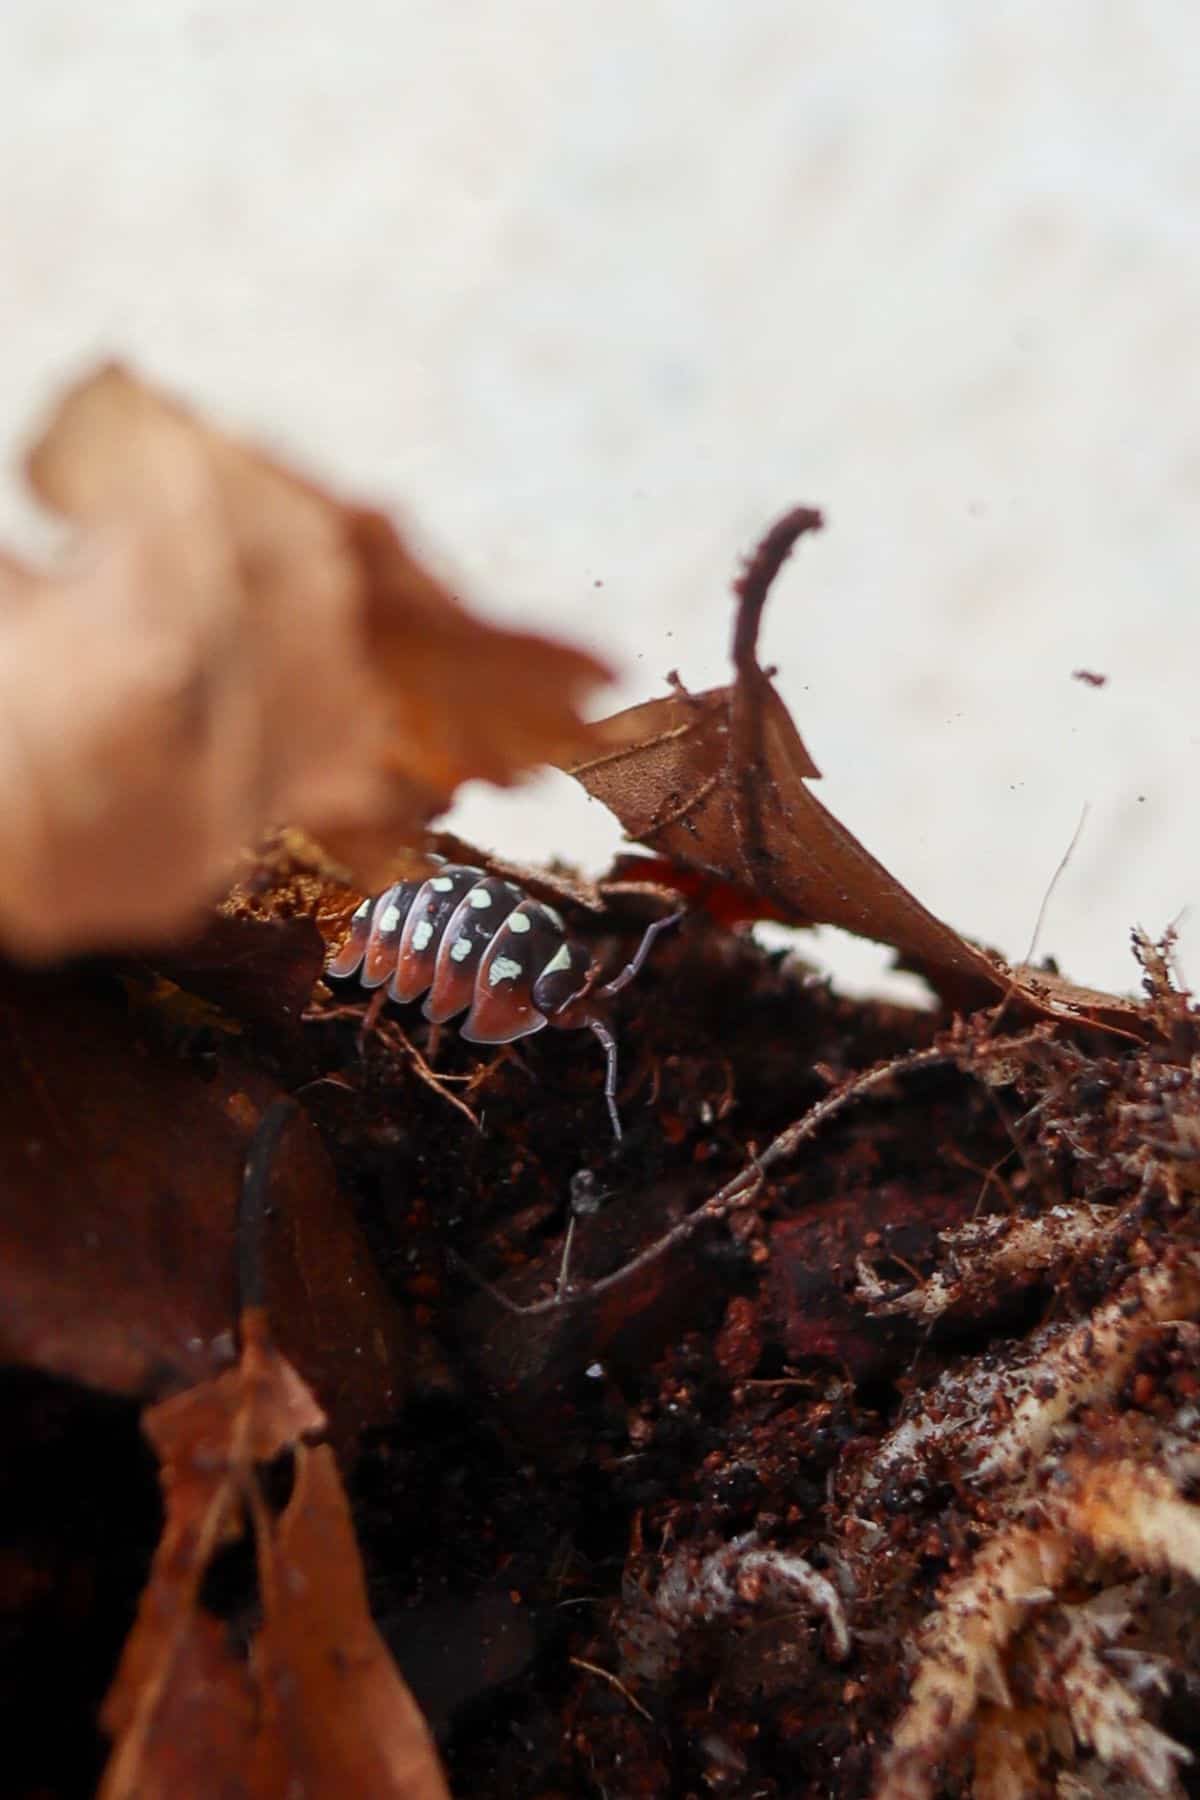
(564, 1526)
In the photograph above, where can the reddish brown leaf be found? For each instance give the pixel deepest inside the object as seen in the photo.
(189, 1730)
(232, 646)
(316, 1706)
(121, 1157)
(335, 1704)
(717, 783)
(1065, 999)
(557, 885)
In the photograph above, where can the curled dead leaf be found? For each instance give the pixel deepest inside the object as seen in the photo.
(230, 646)
(316, 1705)
(717, 784)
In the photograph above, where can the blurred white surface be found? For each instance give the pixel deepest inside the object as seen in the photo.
(588, 294)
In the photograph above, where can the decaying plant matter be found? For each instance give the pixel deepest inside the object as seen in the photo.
(227, 647)
(835, 1434)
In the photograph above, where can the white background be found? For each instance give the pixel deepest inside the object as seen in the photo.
(590, 292)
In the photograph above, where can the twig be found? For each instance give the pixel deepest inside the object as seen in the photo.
(429, 1076)
(393, 1035)
(253, 1206)
(746, 1183)
(578, 1662)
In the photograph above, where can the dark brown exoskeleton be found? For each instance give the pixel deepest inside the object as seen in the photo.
(469, 940)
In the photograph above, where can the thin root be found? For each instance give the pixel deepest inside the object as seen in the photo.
(614, 1681)
(399, 1039)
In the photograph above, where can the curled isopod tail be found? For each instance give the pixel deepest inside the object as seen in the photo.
(388, 918)
(373, 940)
(348, 959)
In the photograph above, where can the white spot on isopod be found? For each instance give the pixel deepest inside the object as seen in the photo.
(390, 918)
(560, 960)
(460, 949)
(503, 969)
(520, 922)
(422, 932)
(360, 912)
(480, 897)
(441, 884)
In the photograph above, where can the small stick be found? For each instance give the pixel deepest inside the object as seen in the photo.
(578, 1662)
(430, 1077)
(746, 1183)
(564, 1266)
(253, 1206)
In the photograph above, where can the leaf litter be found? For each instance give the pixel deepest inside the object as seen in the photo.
(310, 1701)
(230, 647)
(834, 1435)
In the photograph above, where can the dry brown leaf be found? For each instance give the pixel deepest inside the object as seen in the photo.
(121, 1157)
(231, 646)
(315, 1705)
(338, 1711)
(717, 782)
(664, 769)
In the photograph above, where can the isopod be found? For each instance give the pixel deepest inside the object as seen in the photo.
(474, 943)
